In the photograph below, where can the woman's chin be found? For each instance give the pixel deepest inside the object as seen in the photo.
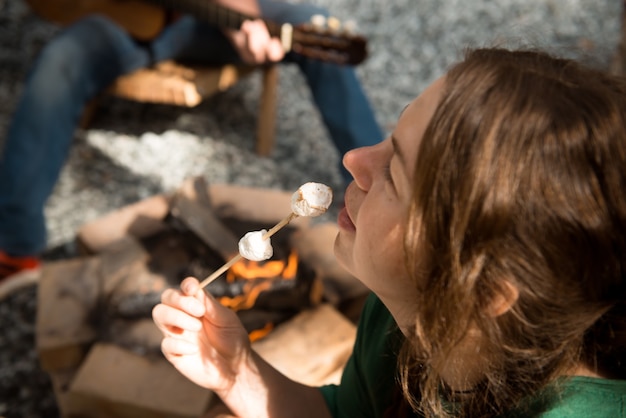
(343, 250)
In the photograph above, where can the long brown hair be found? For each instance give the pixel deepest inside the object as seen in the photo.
(520, 178)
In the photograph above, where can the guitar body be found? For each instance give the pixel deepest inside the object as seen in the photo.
(142, 20)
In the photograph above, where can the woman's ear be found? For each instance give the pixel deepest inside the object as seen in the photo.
(504, 299)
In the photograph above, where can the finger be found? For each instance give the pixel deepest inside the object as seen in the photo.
(177, 299)
(244, 52)
(258, 39)
(275, 50)
(171, 346)
(219, 315)
(173, 321)
(190, 286)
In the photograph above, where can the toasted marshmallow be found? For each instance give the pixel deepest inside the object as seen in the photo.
(311, 199)
(253, 247)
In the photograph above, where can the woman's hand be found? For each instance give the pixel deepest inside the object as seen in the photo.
(207, 343)
(204, 340)
(254, 43)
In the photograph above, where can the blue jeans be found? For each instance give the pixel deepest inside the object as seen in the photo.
(89, 55)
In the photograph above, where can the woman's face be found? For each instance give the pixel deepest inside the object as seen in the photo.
(372, 224)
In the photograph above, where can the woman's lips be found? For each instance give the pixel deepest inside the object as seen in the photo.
(344, 222)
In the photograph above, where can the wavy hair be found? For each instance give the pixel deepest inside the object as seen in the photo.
(521, 179)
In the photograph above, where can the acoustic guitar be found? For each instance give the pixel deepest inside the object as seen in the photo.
(145, 19)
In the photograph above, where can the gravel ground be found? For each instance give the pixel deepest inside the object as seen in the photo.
(132, 151)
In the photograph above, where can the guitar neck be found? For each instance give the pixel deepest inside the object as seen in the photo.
(143, 21)
(213, 13)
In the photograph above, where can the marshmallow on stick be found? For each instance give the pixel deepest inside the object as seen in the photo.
(254, 247)
(311, 199)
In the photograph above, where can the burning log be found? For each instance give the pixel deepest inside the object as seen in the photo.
(275, 293)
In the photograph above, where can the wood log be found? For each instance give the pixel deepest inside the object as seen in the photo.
(312, 348)
(114, 382)
(138, 220)
(192, 206)
(67, 296)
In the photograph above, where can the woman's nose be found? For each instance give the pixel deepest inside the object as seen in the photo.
(359, 162)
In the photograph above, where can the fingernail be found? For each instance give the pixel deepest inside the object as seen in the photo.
(186, 287)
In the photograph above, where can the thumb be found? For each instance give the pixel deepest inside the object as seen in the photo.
(216, 313)
(190, 286)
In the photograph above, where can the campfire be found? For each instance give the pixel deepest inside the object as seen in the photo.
(267, 293)
(94, 312)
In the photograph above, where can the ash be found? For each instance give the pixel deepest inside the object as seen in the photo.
(132, 150)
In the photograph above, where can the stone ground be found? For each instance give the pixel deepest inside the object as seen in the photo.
(132, 151)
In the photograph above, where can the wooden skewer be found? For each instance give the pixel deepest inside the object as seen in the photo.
(217, 273)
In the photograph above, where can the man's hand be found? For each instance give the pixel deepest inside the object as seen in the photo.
(254, 43)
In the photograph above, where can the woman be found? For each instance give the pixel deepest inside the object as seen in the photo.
(491, 229)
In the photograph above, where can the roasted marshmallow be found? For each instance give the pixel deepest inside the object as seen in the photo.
(253, 247)
(311, 199)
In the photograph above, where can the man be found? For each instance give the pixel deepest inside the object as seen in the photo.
(91, 53)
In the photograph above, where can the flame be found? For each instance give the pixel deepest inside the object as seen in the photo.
(289, 273)
(257, 334)
(259, 277)
(248, 297)
(252, 270)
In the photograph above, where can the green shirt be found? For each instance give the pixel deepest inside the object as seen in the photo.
(366, 385)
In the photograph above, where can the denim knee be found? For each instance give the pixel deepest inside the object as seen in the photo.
(91, 52)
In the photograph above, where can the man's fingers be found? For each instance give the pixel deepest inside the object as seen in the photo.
(257, 37)
(275, 51)
(261, 47)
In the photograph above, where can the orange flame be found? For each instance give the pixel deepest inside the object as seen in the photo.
(257, 334)
(248, 297)
(251, 270)
(260, 276)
